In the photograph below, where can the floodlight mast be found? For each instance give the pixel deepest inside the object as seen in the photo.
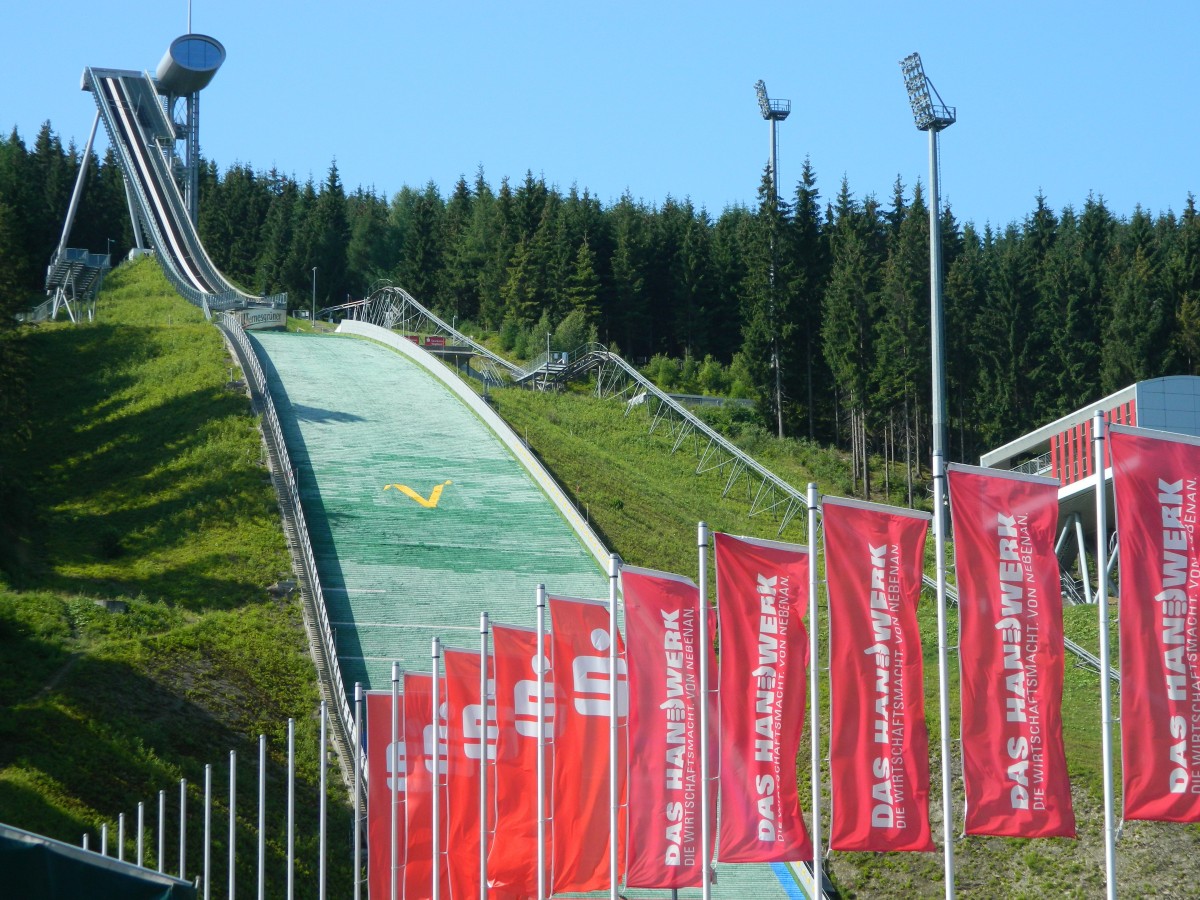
(933, 118)
(774, 111)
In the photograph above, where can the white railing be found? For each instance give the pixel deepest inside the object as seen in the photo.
(273, 432)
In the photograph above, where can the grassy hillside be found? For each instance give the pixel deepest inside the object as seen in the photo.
(144, 484)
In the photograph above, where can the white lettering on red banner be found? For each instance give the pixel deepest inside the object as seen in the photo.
(1155, 485)
(1011, 650)
(661, 612)
(880, 784)
(764, 653)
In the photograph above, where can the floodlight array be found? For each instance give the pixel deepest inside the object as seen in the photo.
(777, 110)
(927, 114)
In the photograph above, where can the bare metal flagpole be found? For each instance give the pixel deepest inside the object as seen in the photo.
(483, 754)
(393, 780)
(207, 831)
(814, 688)
(1106, 723)
(358, 717)
(614, 798)
(262, 817)
(323, 828)
(232, 822)
(437, 770)
(162, 829)
(541, 742)
(703, 644)
(291, 811)
(182, 828)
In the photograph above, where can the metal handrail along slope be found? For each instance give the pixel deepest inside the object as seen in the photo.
(345, 735)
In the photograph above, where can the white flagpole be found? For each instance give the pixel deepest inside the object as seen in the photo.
(182, 828)
(322, 828)
(262, 817)
(541, 742)
(613, 794)
(207, 831)
(358, 761)
(232, 821)
(291, 811)
(703, 644)
(1106, 723)
(483, 746)
(121, 838)
(814, 688)
(391, 774)
(437, 768)
(141, 849)
(162, 830)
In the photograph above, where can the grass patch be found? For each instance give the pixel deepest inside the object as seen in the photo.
(145, 486)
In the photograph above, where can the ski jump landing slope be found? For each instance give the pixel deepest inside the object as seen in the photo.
(424, 510)
(420, 516)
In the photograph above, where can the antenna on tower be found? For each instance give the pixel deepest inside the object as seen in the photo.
(773, 111)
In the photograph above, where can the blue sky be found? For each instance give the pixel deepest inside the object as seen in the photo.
(658, 98)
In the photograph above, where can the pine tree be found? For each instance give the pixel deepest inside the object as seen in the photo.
(850, 305)
(767, 322)
(807, 376)
(583, 288)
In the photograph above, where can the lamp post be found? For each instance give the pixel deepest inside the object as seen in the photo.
(314, 299)
(108, 251)
(933, 118)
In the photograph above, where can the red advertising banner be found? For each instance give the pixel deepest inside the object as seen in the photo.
(419, 752)
(762, 590)
(1155, 479)
(879, 745)
(385, 772)
(464, 725)
(661, 634)
(1010, 653)
(579, 659)
(512, 856)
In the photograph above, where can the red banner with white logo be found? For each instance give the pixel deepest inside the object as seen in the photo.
(464, 726)
(662, 637)
(762, 591)
(1155, 479)
(385, 773)
(580, 643)
(1010, 653)
(512, 856)
(879, 745)
(419, 754)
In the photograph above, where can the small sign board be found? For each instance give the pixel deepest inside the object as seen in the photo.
(435, 342)
(256, 318)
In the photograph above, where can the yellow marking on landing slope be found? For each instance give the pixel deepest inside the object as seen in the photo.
(434, 496)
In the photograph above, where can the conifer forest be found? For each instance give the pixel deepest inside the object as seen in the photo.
(832, 281)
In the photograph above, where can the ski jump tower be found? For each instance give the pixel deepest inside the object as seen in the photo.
(147, 117)
(185, 69)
